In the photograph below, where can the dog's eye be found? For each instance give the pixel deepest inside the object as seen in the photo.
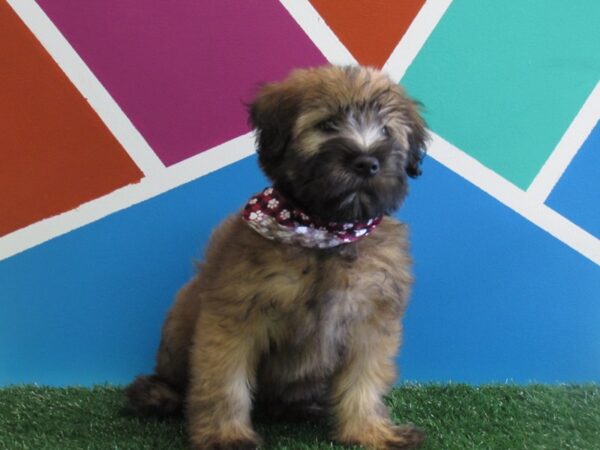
(385, 131)
(327, 126)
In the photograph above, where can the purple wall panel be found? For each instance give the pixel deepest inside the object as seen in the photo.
(182, 70)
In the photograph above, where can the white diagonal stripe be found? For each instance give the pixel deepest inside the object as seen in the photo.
(516, 199)
(415, 37)
(318, 31)
(88, 85)
(176, 175)
(566, 149)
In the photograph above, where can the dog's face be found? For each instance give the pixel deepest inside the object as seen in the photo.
(339, 141)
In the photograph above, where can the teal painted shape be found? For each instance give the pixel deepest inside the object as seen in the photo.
(502, 81)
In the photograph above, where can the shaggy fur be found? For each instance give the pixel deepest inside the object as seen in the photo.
(295, 329)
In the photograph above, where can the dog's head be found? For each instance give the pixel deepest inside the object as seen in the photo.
(339, 141)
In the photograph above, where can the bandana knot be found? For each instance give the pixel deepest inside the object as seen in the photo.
(275, 218)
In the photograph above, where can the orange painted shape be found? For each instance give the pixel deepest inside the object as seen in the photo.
(370, 29)
(55, 153)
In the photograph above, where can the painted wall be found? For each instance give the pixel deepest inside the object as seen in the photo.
(124, 142)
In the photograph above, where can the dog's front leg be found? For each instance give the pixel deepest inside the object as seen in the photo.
(365, 376)
(223, 366)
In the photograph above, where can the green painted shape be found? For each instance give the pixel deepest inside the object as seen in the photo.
(503, 80)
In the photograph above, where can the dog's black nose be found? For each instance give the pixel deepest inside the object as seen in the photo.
(367, 166)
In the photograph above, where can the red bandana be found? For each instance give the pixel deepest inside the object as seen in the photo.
(273, 217)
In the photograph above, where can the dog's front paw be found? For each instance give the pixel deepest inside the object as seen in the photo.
(385, 437)
(403, 437)
(237, 444)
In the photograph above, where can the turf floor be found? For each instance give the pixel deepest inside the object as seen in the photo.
(454, 417)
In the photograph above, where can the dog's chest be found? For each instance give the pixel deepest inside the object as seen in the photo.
(318, 297)
(308, 332)
(306, 324)
(308, 289)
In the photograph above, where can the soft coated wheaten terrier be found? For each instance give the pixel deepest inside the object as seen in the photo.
(297, 306)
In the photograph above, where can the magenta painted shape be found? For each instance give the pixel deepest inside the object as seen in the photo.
(183, 70)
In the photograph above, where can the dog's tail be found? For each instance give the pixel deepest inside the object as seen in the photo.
(153, 395)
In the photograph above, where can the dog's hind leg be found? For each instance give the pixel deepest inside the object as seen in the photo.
(161, 394)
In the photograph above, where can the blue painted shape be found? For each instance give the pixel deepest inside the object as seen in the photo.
(577, 194)
(492, 301)
(87, 307)
(496, 298)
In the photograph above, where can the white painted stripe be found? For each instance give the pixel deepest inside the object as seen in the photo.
(176, 175)
(318, 31)
(520, 201)
(415, 37)
(89, 86)
(567, 148)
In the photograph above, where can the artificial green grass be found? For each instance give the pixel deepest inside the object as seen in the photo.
(454, 417)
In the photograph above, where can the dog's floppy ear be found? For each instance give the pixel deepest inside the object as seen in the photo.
(272, 114)
(417, 141)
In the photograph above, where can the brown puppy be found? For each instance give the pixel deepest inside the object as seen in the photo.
(296, 315)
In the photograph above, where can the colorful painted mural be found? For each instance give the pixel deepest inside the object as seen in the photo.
(124, 141)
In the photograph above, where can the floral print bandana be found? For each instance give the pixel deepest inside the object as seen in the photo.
(275, 218)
